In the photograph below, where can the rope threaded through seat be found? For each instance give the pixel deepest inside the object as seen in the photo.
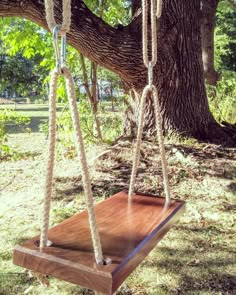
(82, 159)
(84, 167)
(64, 71)
(51, 157)
(161, 145)
(155, 11)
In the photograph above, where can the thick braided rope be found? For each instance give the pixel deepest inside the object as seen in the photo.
(161, 144)
(84, 167)
(49, 8)
(145, 32)
(83, 163)
(139, 140)
(51, 153)
(64, 28)
(155, 11)
(159, 8)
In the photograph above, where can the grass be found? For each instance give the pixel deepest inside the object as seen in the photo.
(196, 257)
(38, 114)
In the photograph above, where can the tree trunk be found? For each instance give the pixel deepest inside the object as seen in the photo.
(179, 78)
(178, 74)
(208, 23)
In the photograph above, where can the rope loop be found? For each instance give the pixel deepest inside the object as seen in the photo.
(159, 8)
(156, 11)
(136, 159)
(66, 16)
(153, 92)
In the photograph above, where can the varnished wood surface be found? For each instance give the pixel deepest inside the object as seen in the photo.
(128, 233)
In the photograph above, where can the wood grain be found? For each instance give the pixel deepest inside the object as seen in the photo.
(128, 233)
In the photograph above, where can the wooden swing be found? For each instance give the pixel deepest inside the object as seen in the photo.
(101, 246)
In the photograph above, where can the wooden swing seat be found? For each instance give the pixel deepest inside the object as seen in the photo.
(128, 233)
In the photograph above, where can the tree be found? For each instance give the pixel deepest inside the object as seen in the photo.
(226, 19)
(225, 36)
(179, 72)
(20, 75)
(20, 69)
(208, 23)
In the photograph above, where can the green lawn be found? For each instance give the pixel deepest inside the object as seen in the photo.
(37, 112)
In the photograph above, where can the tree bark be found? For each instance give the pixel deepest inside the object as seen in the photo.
(208, 23)
(179, 78)
(178, 74)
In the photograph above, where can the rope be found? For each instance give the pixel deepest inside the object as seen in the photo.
(66, 16)
(153, 32)
(156, 9)
(82, 158)
(70, 88)
(84, 166)
(51, 156)
(161, 145)
(139, 140)
(159, 8)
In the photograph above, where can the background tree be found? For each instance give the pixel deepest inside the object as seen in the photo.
(178, 74)
(208, 24)
(225, 36)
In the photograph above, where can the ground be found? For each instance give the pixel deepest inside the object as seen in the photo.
(196, 257)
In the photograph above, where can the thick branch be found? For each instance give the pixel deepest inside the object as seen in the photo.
(107, 46)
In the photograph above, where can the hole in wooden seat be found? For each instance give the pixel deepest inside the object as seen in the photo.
(37, 243)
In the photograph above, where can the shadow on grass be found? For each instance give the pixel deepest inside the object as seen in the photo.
(103, 188)
(26, 108)
(32, 109)
(232, 186)
(196, 276)
(216, 283)
(116, 180)
(14, 283)
(227, 207)
(207, 152)
(34, 126)
(68, 194)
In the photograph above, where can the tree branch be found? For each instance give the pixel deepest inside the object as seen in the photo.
(85, 77)
(116, 49)
(232, 4)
